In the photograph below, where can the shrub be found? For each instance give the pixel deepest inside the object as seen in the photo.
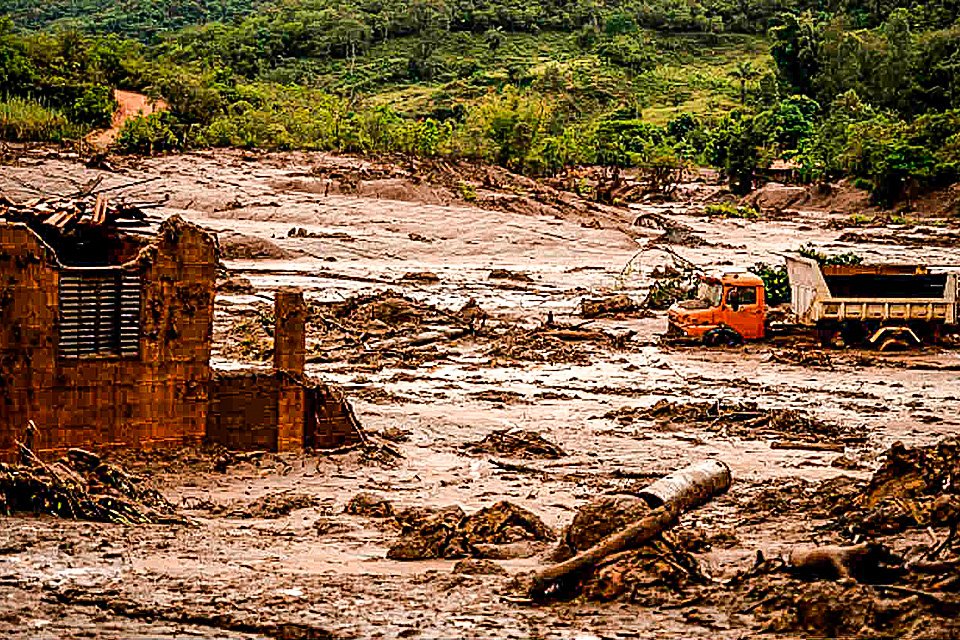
(156, 133)
(730, 210)
(25, 120)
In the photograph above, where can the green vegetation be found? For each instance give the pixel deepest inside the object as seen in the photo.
(731, 210)
(842, 88)
(26, 120)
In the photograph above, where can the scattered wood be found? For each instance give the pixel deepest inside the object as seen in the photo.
(83, 209)
(807, 446)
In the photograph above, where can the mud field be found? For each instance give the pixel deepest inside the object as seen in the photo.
(452, 313)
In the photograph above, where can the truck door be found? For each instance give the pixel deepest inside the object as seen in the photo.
(743, 311)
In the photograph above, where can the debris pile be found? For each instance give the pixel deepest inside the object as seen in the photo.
(741, 419)
(65, 213)
(386, 325)
(612, 305)
(545, 344)
(516, 443)
(674, 233)
(914, 488)
(80, 486)
(500, 531)
(503, 530)
(270, 506)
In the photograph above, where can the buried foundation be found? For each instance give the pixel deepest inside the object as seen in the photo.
(105, 342)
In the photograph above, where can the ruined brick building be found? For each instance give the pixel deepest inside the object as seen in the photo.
(105, 341)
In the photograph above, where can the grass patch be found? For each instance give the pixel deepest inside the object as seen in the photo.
(24, 120)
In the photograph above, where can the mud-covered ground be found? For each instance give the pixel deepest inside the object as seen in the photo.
(433, 377)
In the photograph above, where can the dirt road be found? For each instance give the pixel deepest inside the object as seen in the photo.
(317, 572)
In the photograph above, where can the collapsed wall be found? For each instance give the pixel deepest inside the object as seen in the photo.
(118, 355)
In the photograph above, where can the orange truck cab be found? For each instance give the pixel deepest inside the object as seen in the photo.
(730, 307)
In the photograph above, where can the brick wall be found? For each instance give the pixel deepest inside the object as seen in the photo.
(278, 411)
(157, 399)
(243, 411)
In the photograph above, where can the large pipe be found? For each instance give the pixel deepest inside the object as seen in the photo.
(689, 487)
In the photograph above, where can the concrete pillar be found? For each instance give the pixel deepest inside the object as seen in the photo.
(290, 335)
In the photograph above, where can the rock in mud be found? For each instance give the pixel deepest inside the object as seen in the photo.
(506, 274)
(236, 285)
(369, 505)
(595, 521)
(504, 523)
(426, 277)
(273, 505)
(470, 566)
(238, 246)
(517, 443)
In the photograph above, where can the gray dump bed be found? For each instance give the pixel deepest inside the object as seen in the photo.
(871, 292)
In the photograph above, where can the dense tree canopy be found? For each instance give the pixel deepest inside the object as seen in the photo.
(842, 87)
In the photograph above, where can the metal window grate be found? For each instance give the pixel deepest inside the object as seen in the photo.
(99, 313)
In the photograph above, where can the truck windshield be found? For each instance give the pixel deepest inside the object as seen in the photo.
(711, 293)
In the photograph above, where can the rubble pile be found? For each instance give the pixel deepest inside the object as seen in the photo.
(270, 506)
(612, 305)
(516, 443)
(80, 486)
(544, 345)
(388, 326)
(502, 530)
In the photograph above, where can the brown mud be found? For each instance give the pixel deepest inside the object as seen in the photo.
(279, 547)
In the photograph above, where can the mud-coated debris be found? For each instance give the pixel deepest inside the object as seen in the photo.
(741, 419)
(519, 344)
(473, 567)
(516, 443)
(654, 573)
(915, 487)
(504, 523)
(498, 396)
(80, 486)
(273, 505)
(608, 306)
(868, 562)
(432, 534)
(370, 506)
(506, 274)
(236, 285)
(237, 246)
(449, 533)
(596, 520)
(427, 277)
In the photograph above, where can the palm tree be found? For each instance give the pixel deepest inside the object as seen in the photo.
(744, 72)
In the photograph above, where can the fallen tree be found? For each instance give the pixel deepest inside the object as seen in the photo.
(670, 497)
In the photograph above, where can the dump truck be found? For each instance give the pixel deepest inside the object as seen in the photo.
(882, 306)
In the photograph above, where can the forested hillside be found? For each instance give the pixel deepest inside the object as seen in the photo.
(864, 89)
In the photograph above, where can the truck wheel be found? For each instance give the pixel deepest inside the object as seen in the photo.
(722, 336)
